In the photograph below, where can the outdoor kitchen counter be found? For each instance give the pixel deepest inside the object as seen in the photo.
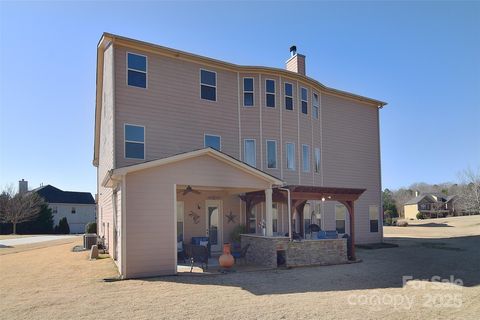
(263, 251)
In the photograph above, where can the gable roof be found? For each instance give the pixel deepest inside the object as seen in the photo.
(420, 198)
(54, 195)
(116, 173)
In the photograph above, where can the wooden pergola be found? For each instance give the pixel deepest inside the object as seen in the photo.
(299, 195)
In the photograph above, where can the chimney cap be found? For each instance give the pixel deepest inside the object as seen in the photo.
(293, 50)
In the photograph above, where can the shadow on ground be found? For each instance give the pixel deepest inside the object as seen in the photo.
(383, 268)
(431, 224)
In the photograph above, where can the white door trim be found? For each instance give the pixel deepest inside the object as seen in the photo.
(219, 204)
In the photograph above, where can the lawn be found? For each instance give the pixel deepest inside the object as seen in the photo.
(54, 283)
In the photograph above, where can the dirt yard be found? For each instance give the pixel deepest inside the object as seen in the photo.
(54, 283)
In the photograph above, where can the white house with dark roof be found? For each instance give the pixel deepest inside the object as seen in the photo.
(78, 207)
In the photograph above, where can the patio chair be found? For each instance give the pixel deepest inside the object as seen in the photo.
(241, 254)
(196, 254)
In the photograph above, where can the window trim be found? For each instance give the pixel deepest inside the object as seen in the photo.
(294, 156)
(315, 167)
(205, 134)
(285, 96)
(208, 85)
(315, 106)
(136, 70)
(370, 218)
(276, 153)
(345, 212)
(73, 210)
(252, 92)
(274, 93)
(309, 158)
(125, 140)
(245, 151)
(302, 101)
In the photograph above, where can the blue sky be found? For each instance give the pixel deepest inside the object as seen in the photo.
(421, 57)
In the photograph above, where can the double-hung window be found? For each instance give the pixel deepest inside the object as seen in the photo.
(304, 100)
(317, 160)
(212, 141)
(374, 213)
(248, 92)
(208, 85)
(288, 96)
(290, 149)
(136, 70)
(315, 106)
(250, 152)
(340, 213)
(270, 93)
(271, 154)
(305, 158)
(134, 142)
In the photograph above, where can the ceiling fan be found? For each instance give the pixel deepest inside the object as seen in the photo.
(189, 189)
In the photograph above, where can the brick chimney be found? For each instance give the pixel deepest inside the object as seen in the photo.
(22, 186)
(296, 63)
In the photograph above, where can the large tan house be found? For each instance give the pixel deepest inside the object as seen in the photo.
(188, 146)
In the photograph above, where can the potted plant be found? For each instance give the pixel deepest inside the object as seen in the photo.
(235, 236)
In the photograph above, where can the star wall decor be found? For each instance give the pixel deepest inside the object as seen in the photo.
(231, 217)
(195, 217)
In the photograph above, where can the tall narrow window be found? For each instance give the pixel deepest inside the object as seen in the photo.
(340, 212)
(252, 220)
(304, 101)
(374, 214)
(250, 154)
(315, 106)
(317, 160)
(290, 149)
(248, 92)
(288, 96)
(275, 217)
(136, 70)
(180, 220)
(271, 154)
(270, 93)
(213, 141)
(134, 141)
(305, 158)
(208, 85)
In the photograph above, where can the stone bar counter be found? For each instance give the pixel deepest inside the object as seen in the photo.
(266, 251)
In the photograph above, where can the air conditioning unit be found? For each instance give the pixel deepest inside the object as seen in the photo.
(89, 239)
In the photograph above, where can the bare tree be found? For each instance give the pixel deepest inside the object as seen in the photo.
(401, 196)
(16, 208)
(469, 195)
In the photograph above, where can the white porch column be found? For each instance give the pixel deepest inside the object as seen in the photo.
(268, 212)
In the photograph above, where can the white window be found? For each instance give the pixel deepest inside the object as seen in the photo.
(340, 213)
(208, 85)
(136, 70)
(74, 210)
(315, 106)
(317, 160)
(270, 93)
(288, 96)
(134, 141)
(54, 210)
(250, 152)
(212, 141)
(271, 154)
(305, 158)
(275, 217)
(304, 97)
(248, 85)
(290, 149)
(374, 213)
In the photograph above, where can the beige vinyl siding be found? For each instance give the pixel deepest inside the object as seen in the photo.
(290, 132)
(106, 158)
(410, 211)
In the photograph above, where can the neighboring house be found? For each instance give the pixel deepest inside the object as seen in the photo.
(78, 207)
(431, 205)
(188, 146)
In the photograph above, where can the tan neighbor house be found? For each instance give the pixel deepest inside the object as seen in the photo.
(430, 205)
(188, 146)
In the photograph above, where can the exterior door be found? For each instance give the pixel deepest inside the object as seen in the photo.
(213, 211)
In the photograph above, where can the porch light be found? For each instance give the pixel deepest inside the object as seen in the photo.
(323, 199)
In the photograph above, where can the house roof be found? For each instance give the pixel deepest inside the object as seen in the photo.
(108, 38)
(419, 198)
(54, 195)
(115, 174)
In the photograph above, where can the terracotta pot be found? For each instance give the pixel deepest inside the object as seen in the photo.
(226, 260)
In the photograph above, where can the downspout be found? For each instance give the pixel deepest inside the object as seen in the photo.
(289, 213)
